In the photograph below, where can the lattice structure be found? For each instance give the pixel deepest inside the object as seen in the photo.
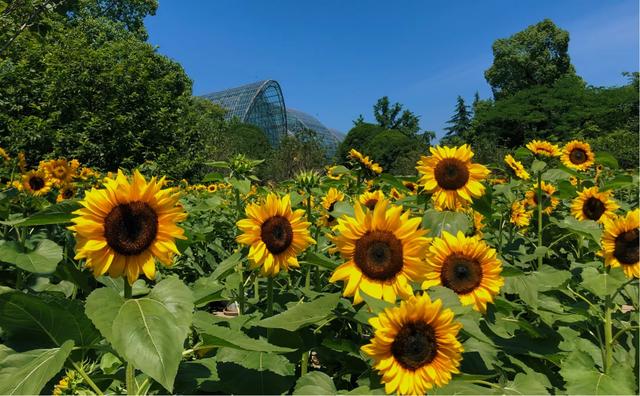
(298, 120)
(260, 104)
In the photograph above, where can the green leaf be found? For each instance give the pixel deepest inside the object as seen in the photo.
(555, 174)
(452, 222)
(243, 186)
(303, 314)
(606, 159)
(146, 334)
(523, 285)
(342, 209)
(177, 298)
(227, 265)
(60, 213)
(601, 284)
(315, 383)
(217, 164)
(583, 378)
(549, 278)
(619, 181)
(376, 305)
(28, 372)
(259, 361)
(43, 260)
(522, 153)
(587, 228)
(206, 290)
(320, 260)
(483, 204)
(102, 307)
(219, 336)
(44, 320)
(393, 181)
(527, 384)
(538, 166)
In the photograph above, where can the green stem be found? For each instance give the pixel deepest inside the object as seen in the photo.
(304, 363)
(87, 379)
(130, 379)
(539, 207)
(127, 288)
(269, 296)
(608, 337)
(622, 331)
(240, 290)
(499, 234)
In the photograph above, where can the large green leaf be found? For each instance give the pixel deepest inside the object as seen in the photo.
(523, 285)
(452, 222)
(42, 260)
(220, 336)
(606, 159)
(259, 361)
(102, 307)
(146, 334)
(583, 378)
(315, 383)
(587, 228)
(28, 372)
(55, 214)
(226, 265)
(320, 260)
(177, 298)
(601, 284)
(619, 181)
(44, 320)
(303, 314)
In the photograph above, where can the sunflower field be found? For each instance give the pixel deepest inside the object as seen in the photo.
(463, 278)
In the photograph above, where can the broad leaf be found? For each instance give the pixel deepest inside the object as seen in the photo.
(102, 307)
(315, 383)
(28, 372)
(220, 336)
(42, 260)
(452, 222)
(303, 314)
(586, 228)
(178, 300)
(606, 159)
(55, 214)
(320, 260)
(259, 361)
(583, 378)
(227, 265)
(601, 284)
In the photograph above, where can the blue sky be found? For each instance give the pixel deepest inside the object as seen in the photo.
(335, 58)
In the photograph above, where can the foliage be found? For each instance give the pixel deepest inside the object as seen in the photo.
(396, 152)
(393, 117)
(460, 122)
(301, 151)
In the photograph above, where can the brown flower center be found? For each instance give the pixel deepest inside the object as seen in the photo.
(451, 174)
(371, 204)
(578, 156)
(415, 345)
(593, 208)
(59, 171)
(277, 234)
(626, 247)
(378, 254)
(131, 228)
(67, 193)
(461, 273)
(330, 217)
(36, 183)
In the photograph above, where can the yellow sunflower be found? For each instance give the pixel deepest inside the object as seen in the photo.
(449, 174)
(466, 265)
(365, 161)
(331, 175)
(383, 249)
(212, 188)
(549, 202)
(620, 243)
(520, 216)
(442, 208)
(516, 167)
(497, 180)
(396, 194)
(275, 234)
(4, 155)
(577, 155)
(67, 191)
(22, 162)
(478, 225)
(328, 203)
(371, 198)
(122, 227)
(573, 180)
(595, 205)
(544, 148)
(415, 346)
(36, 182)
(411, 186)
(58, 170)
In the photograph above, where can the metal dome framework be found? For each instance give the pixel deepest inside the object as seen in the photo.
(298, 121)
(260, 103)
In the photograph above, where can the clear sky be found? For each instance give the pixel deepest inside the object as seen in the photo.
(335, 58)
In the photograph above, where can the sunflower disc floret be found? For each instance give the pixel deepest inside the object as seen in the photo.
(620, 243)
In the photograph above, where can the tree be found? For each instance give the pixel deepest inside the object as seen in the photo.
(301, 151)
(249, 140)
(358, 121)
(537, 55)
(476, 101)
(460, 122)
(393, 117)
(396, 152)
(358, 138)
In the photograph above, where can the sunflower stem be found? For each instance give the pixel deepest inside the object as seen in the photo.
(539, 207)
(130, 371)
(86, 377)
(608, 336)
(304, 363)
(269, 312)
(127, 288)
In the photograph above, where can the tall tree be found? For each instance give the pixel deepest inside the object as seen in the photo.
(537, 55)
(460, 122)
(393, 117)
(476, 101)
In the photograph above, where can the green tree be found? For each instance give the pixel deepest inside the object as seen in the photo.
(300, 151)
(393, 117)
(249, 140)
(358, 138)
(538, 55)
(396, 152)
(460, 122)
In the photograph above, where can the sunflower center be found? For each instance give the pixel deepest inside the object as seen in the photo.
(59, 171)
(36, 183)
(626, 247)
(371, 204)
(578, 156)
(378, 254)
(546, 199)
(330, 218)
(277, 234)
(461, 274)
(131, 228)
(451, 174)
(67, 193)
(415, 345)
(593, 208)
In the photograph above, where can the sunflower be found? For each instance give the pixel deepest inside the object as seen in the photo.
(4, 155)
(59, 171)
(22, 162)
(620, 243)
(328, 203)
(497, 180)
(516, 167)
(63, 387)
(411, 186)
(371, 198)
(449, 174)
(396, 194)
(67, 191)
(520, 216)
(465, 265)
(542, 147)
(275, 234)
(122, 227)
(365, 161)
(577, 155)
(415, 346)
(212, 188)
(442, 208)
(36, 182)
(384, 250)
(592, 204)
(573, 180)
(330, 173)
(549, 202)
(478, 225)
